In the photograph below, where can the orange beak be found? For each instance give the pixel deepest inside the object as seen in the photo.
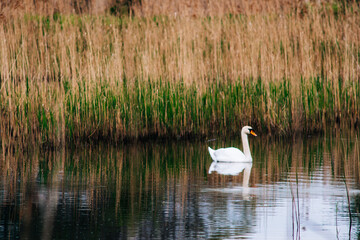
(253, 133)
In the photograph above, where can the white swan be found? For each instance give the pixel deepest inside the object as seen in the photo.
(232, 154)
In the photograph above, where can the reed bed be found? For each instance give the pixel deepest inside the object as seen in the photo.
(71, 78)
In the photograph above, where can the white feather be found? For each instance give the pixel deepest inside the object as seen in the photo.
(232, 154)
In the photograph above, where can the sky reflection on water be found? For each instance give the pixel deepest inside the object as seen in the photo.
(293, 189)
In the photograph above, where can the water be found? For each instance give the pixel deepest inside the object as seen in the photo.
(294, 189)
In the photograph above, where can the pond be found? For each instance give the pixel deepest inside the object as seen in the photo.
(300, 188)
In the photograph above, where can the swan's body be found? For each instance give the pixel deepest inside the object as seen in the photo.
(232, 154)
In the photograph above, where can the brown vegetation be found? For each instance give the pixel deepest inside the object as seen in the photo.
(70, 77)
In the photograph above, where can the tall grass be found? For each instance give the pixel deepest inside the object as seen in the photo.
(67, 78)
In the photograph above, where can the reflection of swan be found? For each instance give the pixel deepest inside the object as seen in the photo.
(233, 169)
(230, 168)
(232, 154)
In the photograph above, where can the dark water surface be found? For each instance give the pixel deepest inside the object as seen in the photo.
(293, 189)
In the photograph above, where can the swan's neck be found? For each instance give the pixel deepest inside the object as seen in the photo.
(246, 147)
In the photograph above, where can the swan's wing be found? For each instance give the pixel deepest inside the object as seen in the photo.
(229, 155)
(212, 151)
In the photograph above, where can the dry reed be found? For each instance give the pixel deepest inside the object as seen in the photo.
(66, 78)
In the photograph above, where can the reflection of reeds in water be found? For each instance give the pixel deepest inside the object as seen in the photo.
(150, 164)
(138, 179)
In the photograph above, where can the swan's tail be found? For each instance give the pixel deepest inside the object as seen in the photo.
(212, 153)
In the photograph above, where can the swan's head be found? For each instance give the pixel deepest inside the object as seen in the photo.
(248, 130)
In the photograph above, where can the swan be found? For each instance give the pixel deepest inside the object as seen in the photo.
(232, 154)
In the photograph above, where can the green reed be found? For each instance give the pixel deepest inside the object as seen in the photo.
(68, 78)
(102, 111)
